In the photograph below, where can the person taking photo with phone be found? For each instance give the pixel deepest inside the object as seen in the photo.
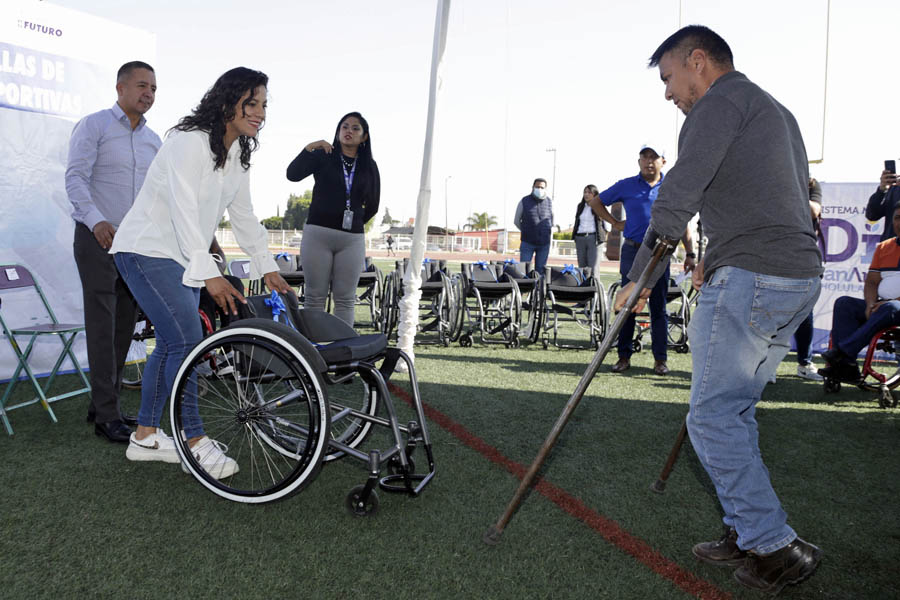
(882, 203)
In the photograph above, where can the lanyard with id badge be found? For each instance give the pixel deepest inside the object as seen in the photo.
(347, 223)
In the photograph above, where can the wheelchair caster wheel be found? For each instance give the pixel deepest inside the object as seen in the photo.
(636, 345)
(465, 340)
(545, 343)
(514, 344)
(355, 505)
(832, 385)
(886, 399)
(681, 349)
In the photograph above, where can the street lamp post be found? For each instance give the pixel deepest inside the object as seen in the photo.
(553, 193)
(446, 220)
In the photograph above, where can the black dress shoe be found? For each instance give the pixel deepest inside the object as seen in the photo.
(724, 551)
(129, 420)
(770, 573)
(114, 431)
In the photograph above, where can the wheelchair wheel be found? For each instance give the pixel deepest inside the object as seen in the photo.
(133, 374)
(533, 312)
(345, 399)
(375, 300)
(264, 405)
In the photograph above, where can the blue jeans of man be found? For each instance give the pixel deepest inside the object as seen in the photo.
(659, 322)
(851, 331)
(173, 309)
(739, 333)
(540, 253)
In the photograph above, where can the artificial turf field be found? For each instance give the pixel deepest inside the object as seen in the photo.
(79, 520)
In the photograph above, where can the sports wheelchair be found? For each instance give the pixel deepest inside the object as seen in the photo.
(872, 380)
(573, 294)
(531, 291)
(440, 308)
(678, 315)
(492, 303)
(274, 399)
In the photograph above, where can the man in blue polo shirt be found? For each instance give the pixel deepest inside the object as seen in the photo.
(637, 193)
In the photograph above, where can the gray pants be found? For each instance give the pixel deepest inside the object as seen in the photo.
(334, 259)
(586, 248)
(109, 315)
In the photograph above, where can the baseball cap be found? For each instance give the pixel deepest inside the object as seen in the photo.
(658, 149)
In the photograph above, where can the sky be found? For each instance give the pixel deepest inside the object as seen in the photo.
(519, 77)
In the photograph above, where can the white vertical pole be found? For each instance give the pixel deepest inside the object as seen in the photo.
(412, 280)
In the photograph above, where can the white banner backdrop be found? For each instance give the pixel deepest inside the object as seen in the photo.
(56, 65)
(850, 242)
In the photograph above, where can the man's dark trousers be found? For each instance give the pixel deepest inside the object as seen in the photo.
(659, 326)
(109, 318)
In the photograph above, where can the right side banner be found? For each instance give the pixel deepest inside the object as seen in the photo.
(848, 241)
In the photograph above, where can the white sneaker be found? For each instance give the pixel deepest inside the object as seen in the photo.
(156, 446)
(809, 372)
(211, 456)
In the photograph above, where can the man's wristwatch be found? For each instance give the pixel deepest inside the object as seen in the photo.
(690, 255)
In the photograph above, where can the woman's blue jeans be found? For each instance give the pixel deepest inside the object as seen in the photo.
(739, 333)
(172, 308)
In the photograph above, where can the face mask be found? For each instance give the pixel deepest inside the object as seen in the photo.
(539, 193)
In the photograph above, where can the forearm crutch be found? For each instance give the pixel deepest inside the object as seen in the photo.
(662, 248)
(659, 485)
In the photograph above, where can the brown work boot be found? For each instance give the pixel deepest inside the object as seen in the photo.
(770, 573)
(661, 368)
(623, 365)
(725, 551)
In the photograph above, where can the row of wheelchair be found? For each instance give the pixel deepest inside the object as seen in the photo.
(509, 303)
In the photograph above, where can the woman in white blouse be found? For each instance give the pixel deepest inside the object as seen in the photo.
(162, 247)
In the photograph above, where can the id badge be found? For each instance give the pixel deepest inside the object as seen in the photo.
(348, 220)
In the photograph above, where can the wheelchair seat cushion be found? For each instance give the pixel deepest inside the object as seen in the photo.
(356, 348)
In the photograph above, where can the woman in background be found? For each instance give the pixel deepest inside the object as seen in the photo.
(162, 249)
(588, 231)
(345, 196)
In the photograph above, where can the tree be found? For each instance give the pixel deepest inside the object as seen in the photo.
(483, 222)
(386, 219)
(297, 210)
(272, 223)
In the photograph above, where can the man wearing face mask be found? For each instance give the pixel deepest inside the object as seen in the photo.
(534, 218)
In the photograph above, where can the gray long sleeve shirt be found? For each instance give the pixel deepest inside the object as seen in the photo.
(742, 165)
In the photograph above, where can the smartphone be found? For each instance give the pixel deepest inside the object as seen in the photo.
(890, 166)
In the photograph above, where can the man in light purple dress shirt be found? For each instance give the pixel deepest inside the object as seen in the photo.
(109, 154)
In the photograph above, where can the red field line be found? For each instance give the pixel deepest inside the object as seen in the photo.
(609, 529)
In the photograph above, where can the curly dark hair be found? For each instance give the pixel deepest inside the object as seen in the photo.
(217, 108)
(366, 164)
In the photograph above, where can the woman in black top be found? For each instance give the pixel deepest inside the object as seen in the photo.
(345, 196)
(587, 239)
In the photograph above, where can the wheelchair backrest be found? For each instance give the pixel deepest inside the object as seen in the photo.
(516, 270)
(482, 272)
(569, 276)
(287, 263)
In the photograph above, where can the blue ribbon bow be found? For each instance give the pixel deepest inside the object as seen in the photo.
(283, 255)
(426, 261)
(277, 304)
(482, 264)
(510, 261)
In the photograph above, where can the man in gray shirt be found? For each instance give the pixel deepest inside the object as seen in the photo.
(741, 165)
(109, 153)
